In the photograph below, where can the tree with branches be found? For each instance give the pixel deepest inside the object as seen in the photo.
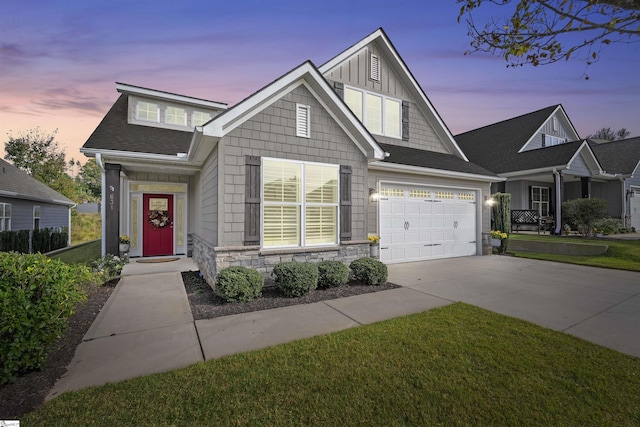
(610, 135)
(37, 152)
(539, 32)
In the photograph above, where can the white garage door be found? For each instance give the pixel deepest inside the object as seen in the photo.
(634, 206)
(419, 223)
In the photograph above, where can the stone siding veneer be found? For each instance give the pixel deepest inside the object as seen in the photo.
(213, 259)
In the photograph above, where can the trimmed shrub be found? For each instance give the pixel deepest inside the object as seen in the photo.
(369, 271)
(295, 279)
(583, 213)
(332, 274)
(37, 296)
(239, 284)
(109, 267)
(608, 226)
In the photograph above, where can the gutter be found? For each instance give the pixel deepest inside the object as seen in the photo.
(433, 172)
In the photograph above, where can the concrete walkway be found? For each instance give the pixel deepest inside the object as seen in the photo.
(147, 326)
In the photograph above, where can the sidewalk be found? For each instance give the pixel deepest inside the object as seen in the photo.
(146, 326)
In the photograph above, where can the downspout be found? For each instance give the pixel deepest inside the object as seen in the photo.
(624, 202)
(103, 201)
(558, 181)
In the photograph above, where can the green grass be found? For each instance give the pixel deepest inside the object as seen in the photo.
(83, 254)
(622, 254)
(456, 365)
(85, 227)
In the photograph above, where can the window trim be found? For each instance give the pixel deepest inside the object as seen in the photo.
(36, 217)
(184, 115)
(4, 217)
(138, 102)
(540, 201)
(302, 204)
(307, 124)
(363, 113)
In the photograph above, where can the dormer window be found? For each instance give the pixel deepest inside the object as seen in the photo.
(147, 111)
(380, 114)
(548, 140)
(175, 116)
(199, 118)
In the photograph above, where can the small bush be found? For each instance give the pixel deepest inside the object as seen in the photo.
(295, 279)
(239, 284)
(332, 274)
(369, 271)
(37, 295)
(608, 226)
(108, 267)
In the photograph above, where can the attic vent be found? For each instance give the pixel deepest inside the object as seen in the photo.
(374, 67)
(302, 120)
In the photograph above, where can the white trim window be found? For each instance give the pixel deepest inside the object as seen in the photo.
(198, 118)
(147, 111)
(175, 116)
(300, 204)
(303, 119)
(5, 216)
(540, 200)
(380, 114)
(36, 217)
(553, 140)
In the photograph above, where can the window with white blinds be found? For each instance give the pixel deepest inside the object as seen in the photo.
(147, 111)
(199, 118)
(291, 218)
(380, 114)
(302, 120)
(175, 116)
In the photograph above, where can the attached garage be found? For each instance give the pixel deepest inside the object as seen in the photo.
(424, 222)
(634, 209)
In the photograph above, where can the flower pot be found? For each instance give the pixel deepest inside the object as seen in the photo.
(374, 251)
(124, 248)
(496, 243)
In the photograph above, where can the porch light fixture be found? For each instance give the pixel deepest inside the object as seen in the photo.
(373, 195)
(489, 201)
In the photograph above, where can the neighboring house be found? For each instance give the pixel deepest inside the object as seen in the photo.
(621, 158)
(304, 169)
(544, 162)
(28, 204)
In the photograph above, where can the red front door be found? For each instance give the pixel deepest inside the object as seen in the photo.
(158, 224)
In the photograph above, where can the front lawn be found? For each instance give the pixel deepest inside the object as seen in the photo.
(456, 365)
(622, 254)
(81, 254)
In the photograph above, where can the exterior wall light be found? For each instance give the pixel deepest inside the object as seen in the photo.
(373, 195)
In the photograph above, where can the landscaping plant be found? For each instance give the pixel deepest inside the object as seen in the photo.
(584, 213)
(239, 284)
(109, 267)
(332, 274)
(37, 295)
(369, 271)
(295, 279)
(502, 211)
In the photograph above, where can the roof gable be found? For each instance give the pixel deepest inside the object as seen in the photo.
(306, 74)
(557, 124)
(389, 52)
(17, 183)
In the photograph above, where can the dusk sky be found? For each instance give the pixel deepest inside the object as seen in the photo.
(59, 60)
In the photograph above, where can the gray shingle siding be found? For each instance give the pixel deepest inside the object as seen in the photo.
(208, 211)
(271, 133)
(579, 167)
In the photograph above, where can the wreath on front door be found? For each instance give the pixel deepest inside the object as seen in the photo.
(159, 219)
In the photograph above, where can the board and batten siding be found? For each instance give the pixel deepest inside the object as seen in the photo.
(547, 129)
(355, 72)
(272, 133)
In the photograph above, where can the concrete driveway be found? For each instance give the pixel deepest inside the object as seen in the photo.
(597, 304)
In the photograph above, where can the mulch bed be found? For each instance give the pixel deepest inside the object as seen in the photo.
(206, 305)
(29, 391)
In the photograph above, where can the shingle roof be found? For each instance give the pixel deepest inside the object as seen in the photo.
(618, 156)
(430, 159)
(496, 146)
(14, 180)
(114, 133)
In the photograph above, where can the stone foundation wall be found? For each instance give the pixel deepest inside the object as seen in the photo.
(213, 259)
(486, 244)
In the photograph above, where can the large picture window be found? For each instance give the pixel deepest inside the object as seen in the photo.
(5, 216)
(381, 115)
(300, 204)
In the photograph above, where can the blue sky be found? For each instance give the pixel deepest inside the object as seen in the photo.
(59, 60)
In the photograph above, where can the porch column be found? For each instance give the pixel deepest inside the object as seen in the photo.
(112, 208)
(585, 182)
(557, 181)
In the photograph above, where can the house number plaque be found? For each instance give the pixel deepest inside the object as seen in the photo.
(158, 204)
